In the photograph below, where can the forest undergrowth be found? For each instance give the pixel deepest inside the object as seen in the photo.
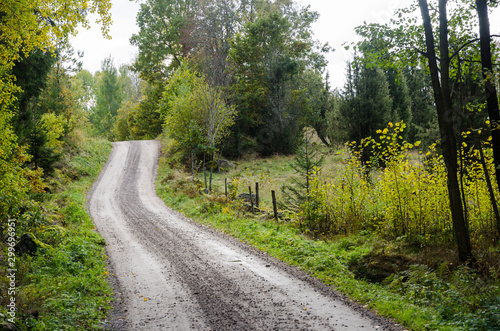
(63, 283)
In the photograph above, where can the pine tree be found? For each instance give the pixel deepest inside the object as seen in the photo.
(368, 104)
(307, 161)
(401, 101)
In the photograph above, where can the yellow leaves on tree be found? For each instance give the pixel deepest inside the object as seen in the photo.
(26, 25)
(53, 125)
(29, 24)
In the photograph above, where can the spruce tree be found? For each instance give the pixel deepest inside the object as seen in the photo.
(306, 162)
(368, 103)
(424, 120)
(401, 101)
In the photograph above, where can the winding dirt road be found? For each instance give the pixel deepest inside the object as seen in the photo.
(173, 274)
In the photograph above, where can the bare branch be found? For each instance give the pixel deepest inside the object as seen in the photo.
(463, 46)
(424, 54)
(468, 43)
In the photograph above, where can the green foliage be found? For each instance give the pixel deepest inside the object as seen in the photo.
(27, 28)
(64, 285)
(31, 76)
(321, 102)
(400, 95)
(367, 104)
(405, 198)
(38, 122)
(84, 86)
(138, 116)
(338, 204)
(147, 121)
(260, 55)
(196, 115)
(459, 298)
(449, 43)
(306, 163)
(162, 26)
(268, 59)
(108, 100)
(122, 128)
(180, 114)
(423, 126)
(416, 296)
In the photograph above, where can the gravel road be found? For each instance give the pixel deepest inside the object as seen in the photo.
(170, 273)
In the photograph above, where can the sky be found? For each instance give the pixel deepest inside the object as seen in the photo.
(336, 24)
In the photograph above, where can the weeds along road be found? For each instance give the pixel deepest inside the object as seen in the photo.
(174, 274)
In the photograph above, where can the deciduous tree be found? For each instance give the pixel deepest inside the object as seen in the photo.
(26, 26)
(268, 57)
(440, 76)
(489, 86)
(108, 99)
(162, 27)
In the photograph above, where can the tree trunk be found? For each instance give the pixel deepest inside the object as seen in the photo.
(444, 109)
(490, 189)
(491, 92)
(320, 131)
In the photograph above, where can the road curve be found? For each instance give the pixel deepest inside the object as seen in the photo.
(173, 274)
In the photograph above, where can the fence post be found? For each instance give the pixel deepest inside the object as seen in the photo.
(225, 186)
(251, 200)
(257, 195)
(275, 207)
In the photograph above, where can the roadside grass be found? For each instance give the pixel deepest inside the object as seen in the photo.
(63, 286)
(326, 260)
(271, 173)
(363, 266)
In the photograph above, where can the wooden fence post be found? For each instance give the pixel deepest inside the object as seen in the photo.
(251, 200)
(257, 195)
(275, 207)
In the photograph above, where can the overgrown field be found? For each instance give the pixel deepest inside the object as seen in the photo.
(63, 285)
(382, 237)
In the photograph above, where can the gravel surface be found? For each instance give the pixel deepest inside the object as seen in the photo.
(170, 273)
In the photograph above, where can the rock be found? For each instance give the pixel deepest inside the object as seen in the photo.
(26, 245)
(225, 164)
(246, 197)
(6, 326)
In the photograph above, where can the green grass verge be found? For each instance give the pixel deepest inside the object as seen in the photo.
(327, 261)
(64, 285)
(423, 301)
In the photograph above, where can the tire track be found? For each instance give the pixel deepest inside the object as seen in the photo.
(174, 274)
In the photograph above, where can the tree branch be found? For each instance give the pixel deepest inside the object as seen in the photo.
(463, 46)
(169, 45)
(468, 43)
(424, 54)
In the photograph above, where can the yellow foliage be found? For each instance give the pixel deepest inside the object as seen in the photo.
(26, 25)
(402, 199)
(53, 125)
